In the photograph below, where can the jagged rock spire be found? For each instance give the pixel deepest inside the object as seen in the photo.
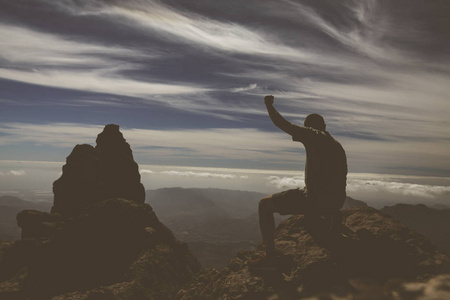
(94, 174)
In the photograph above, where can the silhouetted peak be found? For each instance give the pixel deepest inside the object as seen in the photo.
(94, 174)
(111, 140)
(110, 135)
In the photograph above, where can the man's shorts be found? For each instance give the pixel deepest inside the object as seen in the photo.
(292, 202)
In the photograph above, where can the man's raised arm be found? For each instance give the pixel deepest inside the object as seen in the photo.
(276, 117)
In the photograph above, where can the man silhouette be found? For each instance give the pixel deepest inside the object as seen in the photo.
(325, 175)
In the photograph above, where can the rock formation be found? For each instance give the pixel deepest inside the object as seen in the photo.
(100, 240)
(94, 174)
(9, 208)
(369, 246)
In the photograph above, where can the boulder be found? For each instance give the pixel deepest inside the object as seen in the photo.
(38, 224)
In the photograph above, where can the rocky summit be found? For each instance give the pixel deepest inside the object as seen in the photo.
(93, 174)
(100, 241)
(359, 259)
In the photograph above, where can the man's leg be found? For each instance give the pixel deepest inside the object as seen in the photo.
(289, 202)
(267, 223)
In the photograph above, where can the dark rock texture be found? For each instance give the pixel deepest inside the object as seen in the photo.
(94, 174)
(38, 224)
(369, 245)
(100, 241)
(113, 241)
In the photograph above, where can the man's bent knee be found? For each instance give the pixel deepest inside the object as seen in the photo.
(266, 204)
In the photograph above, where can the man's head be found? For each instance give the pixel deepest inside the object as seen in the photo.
(315, 121)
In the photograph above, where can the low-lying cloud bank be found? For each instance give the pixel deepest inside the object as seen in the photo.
(379, 189)
(12, 173)
(375, 189)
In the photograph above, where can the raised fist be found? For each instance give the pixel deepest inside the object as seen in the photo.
(268, 100)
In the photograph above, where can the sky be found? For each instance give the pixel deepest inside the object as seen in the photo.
(185, 80)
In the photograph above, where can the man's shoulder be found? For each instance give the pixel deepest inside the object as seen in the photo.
(301, 130)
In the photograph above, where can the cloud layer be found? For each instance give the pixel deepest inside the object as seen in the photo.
(375, 189)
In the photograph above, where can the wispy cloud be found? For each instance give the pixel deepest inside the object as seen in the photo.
(26, 48)
(398, 188)
(97, 81)
(245, 88)
(199, 174)
(213, 143)
(146, 172)
(202, 31)
(13, 173)
(49, 60)
(365, 36)
(286, 182)
(59, 135)
(380, 189)
(17, 173)
(156, 18)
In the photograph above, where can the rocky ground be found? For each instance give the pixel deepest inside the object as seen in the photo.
(372, 256)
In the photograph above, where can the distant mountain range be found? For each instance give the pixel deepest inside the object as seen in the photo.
(216, 223)
(431, 222)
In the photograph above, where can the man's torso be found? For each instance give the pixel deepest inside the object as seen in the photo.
(325, 167)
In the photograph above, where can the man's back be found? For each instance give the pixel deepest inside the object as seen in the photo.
(325, 168)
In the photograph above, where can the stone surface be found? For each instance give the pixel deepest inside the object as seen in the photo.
(114, 241)
(38, 224)
(369, 246)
